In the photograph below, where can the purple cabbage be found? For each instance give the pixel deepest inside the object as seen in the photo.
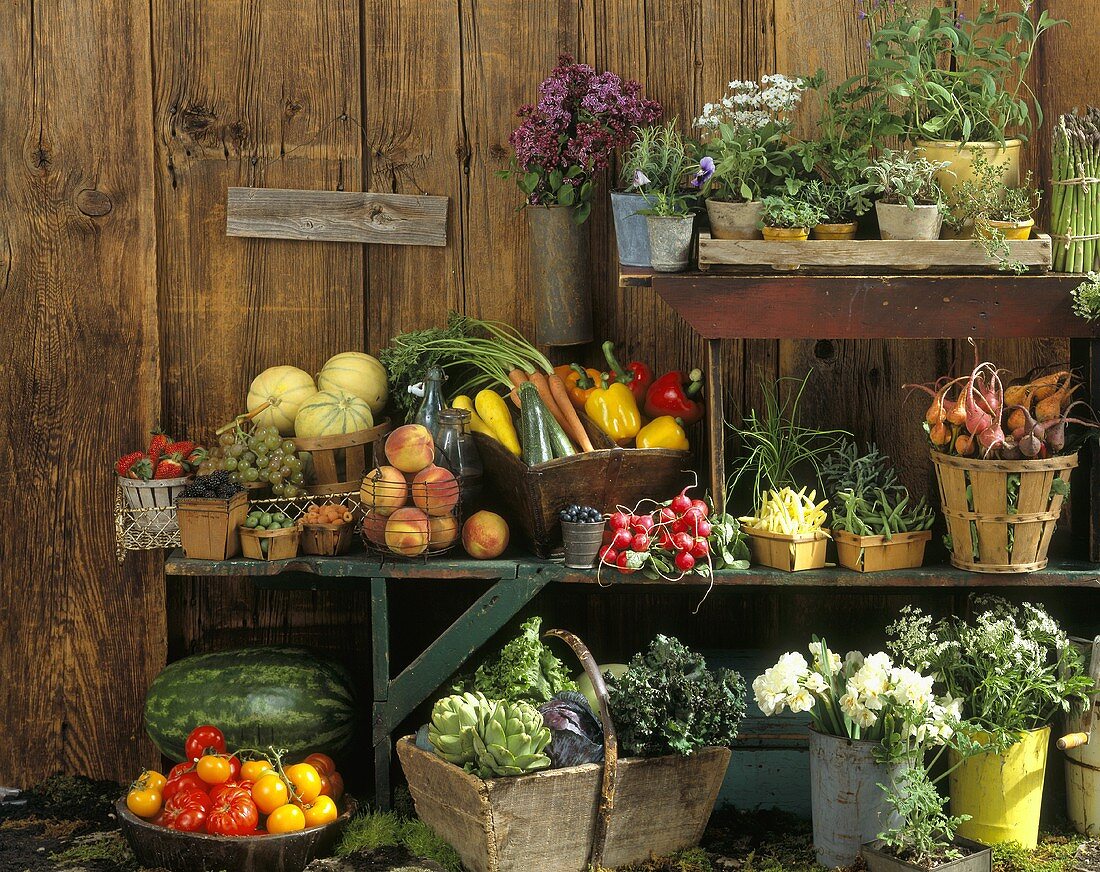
(576, 732)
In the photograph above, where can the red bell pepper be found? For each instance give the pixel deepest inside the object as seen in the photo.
(674, 394)
(635, 375)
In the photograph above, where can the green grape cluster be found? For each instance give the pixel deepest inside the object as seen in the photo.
(260, 455)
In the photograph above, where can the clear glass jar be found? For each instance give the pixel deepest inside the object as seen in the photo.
(460, 454)
(430, 406)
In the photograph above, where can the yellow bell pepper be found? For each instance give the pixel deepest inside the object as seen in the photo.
(663, 432)
(615, 411)
(477, 423)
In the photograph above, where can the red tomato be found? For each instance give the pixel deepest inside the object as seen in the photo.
(332, 785)
(233, 814)
(218, 789)
(185, 812)
(186, 781)
(203, 739)
(234, 768)
(323, 763)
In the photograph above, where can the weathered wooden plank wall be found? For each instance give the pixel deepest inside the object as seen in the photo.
(148, 311)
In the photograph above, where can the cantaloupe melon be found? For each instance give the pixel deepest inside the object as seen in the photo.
(358, 374)
(332, 413)
(285, 388)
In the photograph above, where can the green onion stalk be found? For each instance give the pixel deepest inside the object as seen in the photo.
(1075, 200)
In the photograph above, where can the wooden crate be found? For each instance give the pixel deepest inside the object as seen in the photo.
(209, 528)
(340, 462)
(789, 553)
(605, 478)
(282, 544)
(869, 255)
(877, 553)
(982, 518)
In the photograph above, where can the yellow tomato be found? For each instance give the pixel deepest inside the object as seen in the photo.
(144, 803)
(150, 779)
(306, 781)
(213, 770)
(321, 811)
(286, 819)
(254, 770)
(269, 793)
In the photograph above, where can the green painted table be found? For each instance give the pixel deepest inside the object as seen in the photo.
(513, 583)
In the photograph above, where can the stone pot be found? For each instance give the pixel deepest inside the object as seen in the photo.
(558, 270)
(841, 231)
(670, 238)
(735, 220)
(631, 235)
(898, 221)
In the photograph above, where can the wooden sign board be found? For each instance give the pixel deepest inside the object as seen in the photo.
(336, 216)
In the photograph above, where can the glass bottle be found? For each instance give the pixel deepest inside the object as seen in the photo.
(460, 454)
(430, 406)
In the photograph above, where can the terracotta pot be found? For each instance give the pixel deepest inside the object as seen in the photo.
(961, 160)
(836, 231)
(670, 238)
(1010, 229)
(786, 234)
(898, 221)
(735, 220)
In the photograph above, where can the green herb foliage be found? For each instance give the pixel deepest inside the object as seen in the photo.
(792, 211)
(669, 701)
(903, 177)
(410, 355)
(838, 203)
(660, 154)
(1086, 298)
(526, 669)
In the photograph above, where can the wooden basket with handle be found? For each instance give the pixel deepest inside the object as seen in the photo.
(974, 496)
(567, 820)
(340, 462)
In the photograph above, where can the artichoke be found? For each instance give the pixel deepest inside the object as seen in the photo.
(455, 720)
(510, 740)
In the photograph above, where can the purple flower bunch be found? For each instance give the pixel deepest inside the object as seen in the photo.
(580, 118)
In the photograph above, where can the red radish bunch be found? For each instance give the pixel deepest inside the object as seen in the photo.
(673, 539)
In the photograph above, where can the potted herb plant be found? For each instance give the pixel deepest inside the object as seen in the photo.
(864, 713)
(670, 222)
(994, 212)
(788, 218)
(1014, 670)
(910, 204)
(746, 138)
(657, 152)
(838, 204)
(565, 140)
(875, 524)
(958, 83)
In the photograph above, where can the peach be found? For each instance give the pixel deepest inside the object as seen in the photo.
(485, 535)
(374, 527)
(410, 448)
(407, 532)
(442, 531)
(435, 491)
(384, 490)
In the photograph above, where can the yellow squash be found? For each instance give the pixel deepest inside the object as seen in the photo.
(490, 405)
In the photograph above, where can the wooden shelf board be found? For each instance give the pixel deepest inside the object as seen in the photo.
(305, 570)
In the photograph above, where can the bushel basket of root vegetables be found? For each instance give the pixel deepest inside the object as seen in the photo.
(1003, 455)
(554, 436)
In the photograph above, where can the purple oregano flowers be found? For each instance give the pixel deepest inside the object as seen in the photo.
(568, 136)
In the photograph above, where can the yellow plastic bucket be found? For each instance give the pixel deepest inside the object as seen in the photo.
(1002, 793)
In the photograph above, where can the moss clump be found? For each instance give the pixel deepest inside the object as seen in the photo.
(689, 860)
(107, 847)
(1055, 853)
(387, 829)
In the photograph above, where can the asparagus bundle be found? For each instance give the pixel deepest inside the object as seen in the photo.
(1075, 201)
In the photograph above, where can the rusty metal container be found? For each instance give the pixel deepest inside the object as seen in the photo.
(558, 270)
(1081, 745)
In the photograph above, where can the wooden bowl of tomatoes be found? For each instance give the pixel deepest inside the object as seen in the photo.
(158, 846)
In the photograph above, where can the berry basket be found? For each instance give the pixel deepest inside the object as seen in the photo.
(281, 544)
(147, 496)
(407, 518)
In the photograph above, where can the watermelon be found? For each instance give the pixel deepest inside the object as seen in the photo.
(281, 696)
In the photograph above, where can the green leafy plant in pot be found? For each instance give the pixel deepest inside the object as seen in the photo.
(840, 205)
(657, 152)
(994, 212)
(910, 204)
(788, 218)
(670, 221)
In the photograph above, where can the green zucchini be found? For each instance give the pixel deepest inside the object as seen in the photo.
(533, 432)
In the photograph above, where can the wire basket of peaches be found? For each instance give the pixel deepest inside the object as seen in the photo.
(327, 529)
(411, 504)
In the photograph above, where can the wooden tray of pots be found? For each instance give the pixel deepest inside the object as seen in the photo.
(871, 255)
(281, 544)
(791, 553)
(877, 553)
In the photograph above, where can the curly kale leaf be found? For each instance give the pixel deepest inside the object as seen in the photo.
(526, 669)
(669, 701)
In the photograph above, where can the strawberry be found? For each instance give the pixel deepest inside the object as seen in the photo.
(142, 470)
(178, 449)
(125, 463)
(169, 468)
(157, 446)
(195, 458)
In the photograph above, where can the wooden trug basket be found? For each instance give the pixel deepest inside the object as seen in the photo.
(567, 820)
(983, 514)
(327, 539)
(282, 544)
(339, 462)
(209, 528)
(788, 552)
(877, 553)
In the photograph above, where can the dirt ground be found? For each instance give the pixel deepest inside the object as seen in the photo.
(68, 824)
